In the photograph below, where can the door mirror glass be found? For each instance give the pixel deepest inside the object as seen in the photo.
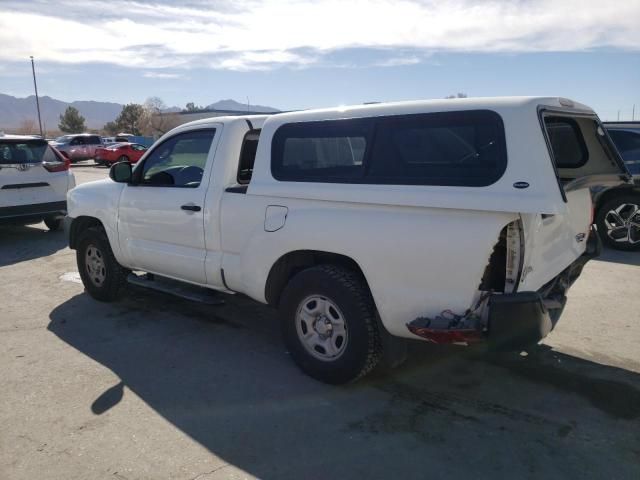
(121, 172)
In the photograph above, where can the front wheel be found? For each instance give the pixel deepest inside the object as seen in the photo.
(123, 158)
(103, 277)
(329, 324)
(618, 222)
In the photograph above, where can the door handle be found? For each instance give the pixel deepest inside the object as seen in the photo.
(191, 208)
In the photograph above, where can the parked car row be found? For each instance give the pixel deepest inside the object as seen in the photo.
(84, 146)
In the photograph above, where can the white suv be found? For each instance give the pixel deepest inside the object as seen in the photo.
(34, 180)
(451, 221)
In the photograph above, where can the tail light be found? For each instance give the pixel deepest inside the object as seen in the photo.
(61, 164)
(505, 267)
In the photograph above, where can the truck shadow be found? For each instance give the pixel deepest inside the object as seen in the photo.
(221, 376)
(23, 243)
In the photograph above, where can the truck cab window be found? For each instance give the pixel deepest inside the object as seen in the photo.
(247, 157)
(178, 161)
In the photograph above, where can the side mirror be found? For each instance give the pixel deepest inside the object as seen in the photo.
(121, 172)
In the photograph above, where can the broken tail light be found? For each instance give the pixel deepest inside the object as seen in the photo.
(60, 164)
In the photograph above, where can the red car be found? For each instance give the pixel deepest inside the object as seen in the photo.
(119, 152)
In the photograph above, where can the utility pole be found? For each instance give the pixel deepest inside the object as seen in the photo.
(35, 86)
(633, 113)
(248, 109)
(618, 115)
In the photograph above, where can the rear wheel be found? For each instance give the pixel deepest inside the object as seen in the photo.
(103, 277)
(618, 222)
(329, 324)
(53, 223)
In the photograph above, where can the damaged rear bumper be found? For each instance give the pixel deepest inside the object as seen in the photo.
(515, 320)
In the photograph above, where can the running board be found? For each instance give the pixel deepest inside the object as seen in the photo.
(187, 291)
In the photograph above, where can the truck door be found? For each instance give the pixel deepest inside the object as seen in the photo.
(161, 214)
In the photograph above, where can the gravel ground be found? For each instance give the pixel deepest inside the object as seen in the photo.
(154, 387)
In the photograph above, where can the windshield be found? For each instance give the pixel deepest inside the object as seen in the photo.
(64, 139)
(21, 151)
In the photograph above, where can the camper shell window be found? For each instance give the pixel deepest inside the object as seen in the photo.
(465, 148)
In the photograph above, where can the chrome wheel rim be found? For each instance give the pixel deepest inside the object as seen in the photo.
(623, 223)
(94, 264)
(321, 328)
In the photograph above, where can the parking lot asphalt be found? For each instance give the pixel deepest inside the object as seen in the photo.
(155, 387)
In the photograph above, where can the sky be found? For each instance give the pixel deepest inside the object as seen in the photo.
(293, 54)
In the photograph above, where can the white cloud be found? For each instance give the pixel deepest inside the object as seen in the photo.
(162, 75)
(253, 34)
(398, 61)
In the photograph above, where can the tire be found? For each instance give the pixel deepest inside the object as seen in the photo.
(103, 277)
(53, 223)
(122, 158)
(624, 208)
(343, 300)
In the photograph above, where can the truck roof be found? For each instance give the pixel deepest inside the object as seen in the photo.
(256, 120)
(425, 106)
(399, 108)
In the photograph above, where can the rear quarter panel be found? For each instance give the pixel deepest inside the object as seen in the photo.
(417, 261)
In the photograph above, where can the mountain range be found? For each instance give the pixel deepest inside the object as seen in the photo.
(16, 112)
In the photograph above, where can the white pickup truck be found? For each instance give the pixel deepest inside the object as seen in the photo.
(452, 221)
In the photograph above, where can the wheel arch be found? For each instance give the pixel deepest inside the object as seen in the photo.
(610, 193)
(289, 264)
(80, 224)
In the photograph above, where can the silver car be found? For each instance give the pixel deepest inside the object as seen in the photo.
(80, 146)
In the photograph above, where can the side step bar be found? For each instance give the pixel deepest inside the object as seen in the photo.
(189, 292)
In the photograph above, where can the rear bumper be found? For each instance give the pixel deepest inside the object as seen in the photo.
(516, 320)
(519, 320)
(34, 212)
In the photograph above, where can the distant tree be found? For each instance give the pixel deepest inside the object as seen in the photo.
(192, 107)
(131, 118)
(457, 95)
(71, 121)
(110, 128)
(156, 119)
(27, 127)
